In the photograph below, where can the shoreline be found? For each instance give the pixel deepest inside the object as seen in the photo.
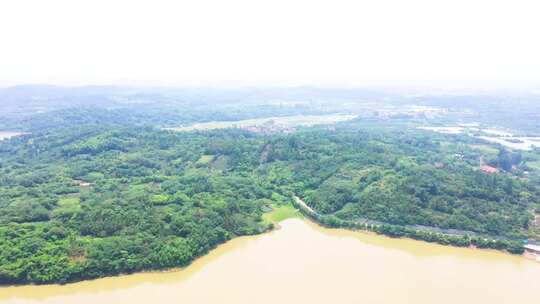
(241, 270)
(396, 231)
(276, 227)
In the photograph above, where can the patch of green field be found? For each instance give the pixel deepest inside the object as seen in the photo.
(68, 202)
(485, 149)
(281, 213)
(160, 199)
(205, 159)
(535, 165)
(67, 207)
(220, 163)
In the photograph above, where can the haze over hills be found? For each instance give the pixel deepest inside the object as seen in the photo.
(23, 102)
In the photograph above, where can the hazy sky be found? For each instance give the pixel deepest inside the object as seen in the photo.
(230, 42)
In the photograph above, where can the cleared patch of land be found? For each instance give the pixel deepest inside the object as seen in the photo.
(516, 143)
(496, 136)
(285, 122)
(205, 159)
(9, 134)
(497, 132)
(444, 130)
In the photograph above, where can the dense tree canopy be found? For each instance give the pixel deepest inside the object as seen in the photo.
(86, 202)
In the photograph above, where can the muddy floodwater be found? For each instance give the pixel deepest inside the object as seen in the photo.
(304, 263)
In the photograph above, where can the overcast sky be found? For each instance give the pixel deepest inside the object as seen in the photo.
(277, 42)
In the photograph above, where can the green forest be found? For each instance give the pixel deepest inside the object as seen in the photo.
(90, 201)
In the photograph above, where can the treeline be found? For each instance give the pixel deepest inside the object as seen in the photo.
(404, 178)
(74, 206)
(156, 112)
(395, 231)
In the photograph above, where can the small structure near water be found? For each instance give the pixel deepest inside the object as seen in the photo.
(532, 248)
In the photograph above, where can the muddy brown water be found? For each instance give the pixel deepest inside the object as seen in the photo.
(305, 263)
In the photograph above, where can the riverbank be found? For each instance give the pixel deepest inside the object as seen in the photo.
(270, 220)
(513, 247)
(306, 262)
(299, 209)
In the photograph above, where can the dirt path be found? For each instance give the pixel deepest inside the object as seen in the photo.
(303, 204)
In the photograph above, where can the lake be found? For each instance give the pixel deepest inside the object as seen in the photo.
(305, 263)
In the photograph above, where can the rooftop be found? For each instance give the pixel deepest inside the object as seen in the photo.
(489, 169)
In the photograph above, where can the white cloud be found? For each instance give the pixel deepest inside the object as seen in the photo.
(274, 42)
